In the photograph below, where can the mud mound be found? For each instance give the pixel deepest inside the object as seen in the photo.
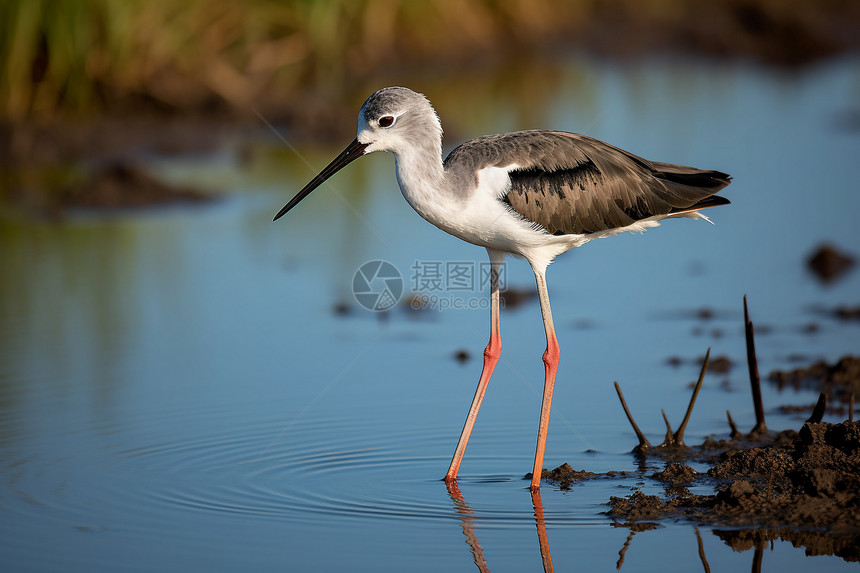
(123, 186)
(812, 482)
(676, 474)
(838, 380)
(829, 263)
(565, 475)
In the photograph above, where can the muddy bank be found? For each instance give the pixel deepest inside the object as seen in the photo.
(117, 137)
(49, 168)
(114, 187)
(808, 486)
(837, 381)
(801, 486)
(122, 186)
(828, 263)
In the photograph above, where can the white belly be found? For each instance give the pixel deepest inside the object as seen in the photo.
(481, 218)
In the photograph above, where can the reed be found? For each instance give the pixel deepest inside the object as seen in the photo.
(91, 55)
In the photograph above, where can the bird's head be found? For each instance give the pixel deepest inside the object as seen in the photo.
(393, 119)
(396, 118)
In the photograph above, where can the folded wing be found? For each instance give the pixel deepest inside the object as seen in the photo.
(574, 184)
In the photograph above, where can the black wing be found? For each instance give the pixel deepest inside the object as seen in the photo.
(570, 183)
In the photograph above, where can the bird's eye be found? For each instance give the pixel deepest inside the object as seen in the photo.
(386, 121)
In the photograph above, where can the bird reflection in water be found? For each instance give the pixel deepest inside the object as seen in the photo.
(467, 517)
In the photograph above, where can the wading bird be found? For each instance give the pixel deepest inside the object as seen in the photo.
(532, 194)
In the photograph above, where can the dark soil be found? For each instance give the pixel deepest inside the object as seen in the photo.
(565, 476)
(515, 297)
(717, 364)
(115, 187)
(40, 163)
(829, 263)
(847, 312)
(837, 381)
(116, 138)
(124, 186)
(462, 356)
(676, 474)
(107, 187)
(808, 479)
(802, 487)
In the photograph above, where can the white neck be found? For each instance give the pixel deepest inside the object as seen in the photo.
(421, 177)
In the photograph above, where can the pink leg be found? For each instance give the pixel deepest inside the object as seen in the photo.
(550, 360)
(491, 357)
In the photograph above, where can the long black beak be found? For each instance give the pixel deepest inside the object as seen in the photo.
(352, 152)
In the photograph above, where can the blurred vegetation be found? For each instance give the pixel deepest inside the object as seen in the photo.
(73, 57)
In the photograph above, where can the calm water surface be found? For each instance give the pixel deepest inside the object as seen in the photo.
(177, 391)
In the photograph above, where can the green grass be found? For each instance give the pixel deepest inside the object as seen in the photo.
(85, 56)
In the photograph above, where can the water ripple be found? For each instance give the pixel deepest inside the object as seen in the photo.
(225, 462)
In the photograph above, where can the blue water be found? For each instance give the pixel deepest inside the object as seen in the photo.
(179, 391)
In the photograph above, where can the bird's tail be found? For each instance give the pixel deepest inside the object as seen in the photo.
(692, 177)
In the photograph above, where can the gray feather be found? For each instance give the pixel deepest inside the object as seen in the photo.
(570, 183)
